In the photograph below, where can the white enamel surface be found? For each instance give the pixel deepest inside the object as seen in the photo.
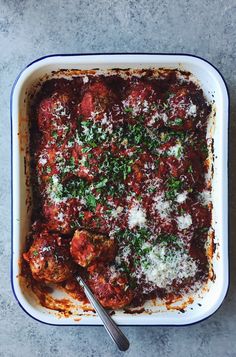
(212, 83)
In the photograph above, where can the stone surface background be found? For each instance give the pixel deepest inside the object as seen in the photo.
(31, 29)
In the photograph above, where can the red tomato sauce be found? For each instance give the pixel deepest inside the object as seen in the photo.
(119, 166)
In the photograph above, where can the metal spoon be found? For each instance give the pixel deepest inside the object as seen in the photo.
(113, 330)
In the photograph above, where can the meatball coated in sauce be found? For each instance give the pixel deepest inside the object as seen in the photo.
(185, 111)
(140, 95)
(179, 160)
(49, 258)
(142, 102)
(62, 215)
(111, 288)
(87, 248)
(54, 116)
(95, 101)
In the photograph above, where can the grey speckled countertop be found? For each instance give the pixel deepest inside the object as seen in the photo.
(31, 29)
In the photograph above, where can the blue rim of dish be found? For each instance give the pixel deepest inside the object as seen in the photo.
(11, 119)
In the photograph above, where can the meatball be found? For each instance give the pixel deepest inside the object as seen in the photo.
(185, 111)
(111, 288)
(88, 248)
(53, 116)
(140, 98)
(95, 101)
(49, 258)
(143, 103)
(62, 216)
(179, 161)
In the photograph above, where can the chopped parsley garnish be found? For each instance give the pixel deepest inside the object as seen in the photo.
(124, 267)
(174, 185)
(167, 238)
(166, 106)
(151, 189)
(168, 135)
(91, 201)
(81, 215)
(128, 110)
(204, 229)
(93, 134)
(176, 121)
(190, 169)
(136, 133)
(75, 224)
(136, 239)
(75, 188)
(72, 161)
(204, 149)
(168, 95)
(86, 149)
(116, 168)
(101, 183)
(86, 123)
(54, 135)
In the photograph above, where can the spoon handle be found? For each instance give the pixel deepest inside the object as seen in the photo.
(113, 330)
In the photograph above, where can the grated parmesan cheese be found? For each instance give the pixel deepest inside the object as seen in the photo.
(163, 265)
(85, 130)
(54, 189)
(145, 106)
(60, 110)
(162, 207)
(104, 120)
(123, 255)
(60, 217)
(205, 197)
(137, 217)
(85, 79)
(117, 211)
(156, 117)
(192, 110)
(184, 221)
(42, 161)
(181, 197)
(176, 151)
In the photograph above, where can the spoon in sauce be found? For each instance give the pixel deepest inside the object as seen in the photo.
(113, 330)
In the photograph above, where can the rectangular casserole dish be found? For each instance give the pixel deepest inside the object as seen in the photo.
(213, 85)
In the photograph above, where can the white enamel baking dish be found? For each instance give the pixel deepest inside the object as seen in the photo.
(205, 304)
